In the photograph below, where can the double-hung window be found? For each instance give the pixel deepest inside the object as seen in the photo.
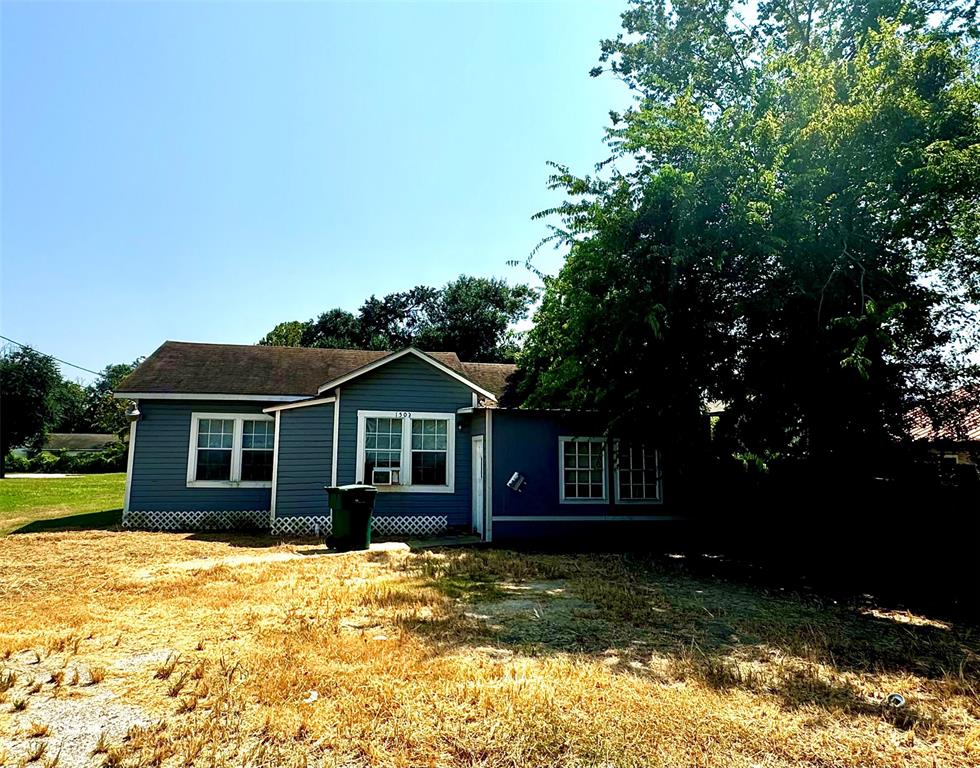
(406, 450)
(258, 444)
(583, 470)
(637, 474)
(382, 450)
(230, 449)
(430, 451)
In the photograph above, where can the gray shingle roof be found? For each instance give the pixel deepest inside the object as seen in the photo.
(78, 441)
(499, 378)
(180, 367)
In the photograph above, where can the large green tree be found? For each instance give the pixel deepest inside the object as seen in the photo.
(788, 221)
(472, 316)
(29, 383)
(286, 334)
(72, 407)
(105, 413)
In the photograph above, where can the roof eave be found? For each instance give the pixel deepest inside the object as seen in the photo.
(121, 395)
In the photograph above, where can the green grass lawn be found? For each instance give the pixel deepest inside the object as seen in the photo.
(34, 504)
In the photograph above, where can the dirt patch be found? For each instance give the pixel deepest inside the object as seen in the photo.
(79, 722)
(236, 561)
(545, 614)
(58, 692)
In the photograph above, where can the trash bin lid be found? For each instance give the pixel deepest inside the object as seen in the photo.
(351, 487)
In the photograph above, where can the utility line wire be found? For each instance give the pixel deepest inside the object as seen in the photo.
(57, 359)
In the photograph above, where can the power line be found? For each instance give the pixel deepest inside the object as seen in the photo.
(57, 359)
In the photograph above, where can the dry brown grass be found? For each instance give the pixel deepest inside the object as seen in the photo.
(467, 658)
(96, 675)
(38, 730)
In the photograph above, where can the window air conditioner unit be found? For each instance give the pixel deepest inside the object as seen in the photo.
(385, 476)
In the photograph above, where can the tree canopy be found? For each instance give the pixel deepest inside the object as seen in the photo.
(472, 316)
(37, 400)
(28, 385)
(787, 221)
(105, 413)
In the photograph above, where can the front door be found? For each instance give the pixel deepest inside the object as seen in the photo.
(478, 499)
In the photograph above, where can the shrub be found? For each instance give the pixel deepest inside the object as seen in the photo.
(110, 459)
(44, 462)
(16, 463)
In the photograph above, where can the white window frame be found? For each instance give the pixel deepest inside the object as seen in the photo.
(239, 420)
(660, 488)
(406, 458)
(561, 469)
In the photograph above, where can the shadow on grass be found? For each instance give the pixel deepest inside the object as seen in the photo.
(247, 539)
(624, 610)
(107, 520)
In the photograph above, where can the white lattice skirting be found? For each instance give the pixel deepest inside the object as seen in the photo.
(258, 519)
(319, 525)
(406, 525)
(422, 525)
(204, 520)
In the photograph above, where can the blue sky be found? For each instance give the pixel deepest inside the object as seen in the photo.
(203, 171)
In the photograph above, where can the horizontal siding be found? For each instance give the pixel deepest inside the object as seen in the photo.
(305, 461)
(408, 384)
(612, 533)
(527, 442)
(159, 479)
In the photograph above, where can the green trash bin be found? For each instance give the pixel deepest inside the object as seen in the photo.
(351, 507)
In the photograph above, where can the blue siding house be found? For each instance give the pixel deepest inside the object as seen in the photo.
(233, 436)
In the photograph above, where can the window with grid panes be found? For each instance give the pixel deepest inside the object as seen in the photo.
(430, 451)
(637, 473)
(583, 469)
(382, 451)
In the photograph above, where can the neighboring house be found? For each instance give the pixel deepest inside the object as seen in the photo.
(227, 435)
(957, 440)
(73, 443)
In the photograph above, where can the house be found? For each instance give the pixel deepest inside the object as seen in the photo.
(74, 443)
(949, 427)
(226, 436)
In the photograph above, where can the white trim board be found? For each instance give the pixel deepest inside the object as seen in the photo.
(130, 460)
(300, 404)
(397, 355)
(207, 396)
(336, 437)
(478, 472)
(582, 518)
(488, 477)
(275, 475)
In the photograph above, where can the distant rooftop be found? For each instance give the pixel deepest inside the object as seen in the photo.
(78, 441)
(963, 425)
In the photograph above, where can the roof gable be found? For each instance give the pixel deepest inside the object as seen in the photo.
(430, 358)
